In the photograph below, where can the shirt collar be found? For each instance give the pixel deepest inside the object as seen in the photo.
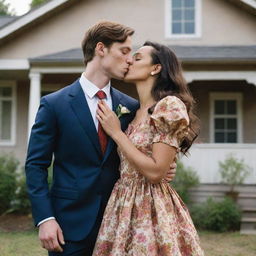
(91, 89)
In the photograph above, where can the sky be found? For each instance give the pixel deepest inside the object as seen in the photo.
(20, 6)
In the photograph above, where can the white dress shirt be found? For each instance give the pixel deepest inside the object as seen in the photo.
(90, 91)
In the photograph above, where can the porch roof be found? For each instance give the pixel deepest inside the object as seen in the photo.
(185, 53)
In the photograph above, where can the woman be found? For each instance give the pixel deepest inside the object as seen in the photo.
(144, 215)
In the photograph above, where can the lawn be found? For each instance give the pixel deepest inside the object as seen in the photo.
(228, 244)
(18, 238)
(22, 243)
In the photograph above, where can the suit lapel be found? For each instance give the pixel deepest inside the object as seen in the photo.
(116, 100)
(80, 107)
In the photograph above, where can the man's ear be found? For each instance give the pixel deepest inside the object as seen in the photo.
(100, 49)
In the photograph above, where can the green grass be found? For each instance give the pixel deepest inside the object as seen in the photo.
(215, 244)
(20, 244)
(228, 244)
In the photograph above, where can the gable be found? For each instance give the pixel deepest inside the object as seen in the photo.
(223, 23)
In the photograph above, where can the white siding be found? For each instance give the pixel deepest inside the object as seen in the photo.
(204, 158)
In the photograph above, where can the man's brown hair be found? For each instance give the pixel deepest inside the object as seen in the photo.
(106, 32)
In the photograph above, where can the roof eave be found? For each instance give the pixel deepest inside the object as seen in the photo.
(248, 5)
(77, 62)
(30, 17)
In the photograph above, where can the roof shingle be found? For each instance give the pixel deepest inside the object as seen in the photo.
(4, 20)
(185, 53)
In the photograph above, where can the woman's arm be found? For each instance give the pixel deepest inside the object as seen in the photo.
(154, 168)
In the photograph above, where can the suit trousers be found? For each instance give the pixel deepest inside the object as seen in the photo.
(86, 246)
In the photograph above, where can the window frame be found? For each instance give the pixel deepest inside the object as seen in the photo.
(238, 97)
(168, 21)
(13, 98)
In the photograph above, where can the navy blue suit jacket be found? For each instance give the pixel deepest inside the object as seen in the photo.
(82, 178)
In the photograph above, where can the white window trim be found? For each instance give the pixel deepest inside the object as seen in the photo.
(227, 96)
(12, 141)
(168, 21)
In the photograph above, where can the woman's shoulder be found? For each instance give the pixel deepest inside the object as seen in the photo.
(170, 118)
(170, 102)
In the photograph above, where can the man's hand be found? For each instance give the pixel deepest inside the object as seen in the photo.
(171, 173)
(51, 236)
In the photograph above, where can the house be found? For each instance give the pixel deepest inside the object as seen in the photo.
(215, 40)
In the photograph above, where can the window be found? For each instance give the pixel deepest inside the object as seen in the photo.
(226, 118)
(183, 18)
(7, 114)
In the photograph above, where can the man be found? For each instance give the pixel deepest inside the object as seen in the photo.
(86, 163)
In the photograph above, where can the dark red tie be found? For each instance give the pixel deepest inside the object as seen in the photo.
(101, 133)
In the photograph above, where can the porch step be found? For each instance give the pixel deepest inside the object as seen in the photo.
(222, 188)
(248, 225)
(201, 196)
(249, 212)
(248, 232)
(249, 220)
(246, 200)
(246, 197)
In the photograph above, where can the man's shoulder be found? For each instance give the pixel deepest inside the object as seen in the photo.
(61, 93)
(128, 99)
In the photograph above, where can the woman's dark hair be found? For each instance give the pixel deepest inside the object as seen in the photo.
(170, 81)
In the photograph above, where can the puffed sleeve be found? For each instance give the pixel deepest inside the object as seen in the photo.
(170, 120)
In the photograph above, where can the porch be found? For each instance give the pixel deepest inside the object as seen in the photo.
(215, 75)
(204, 159)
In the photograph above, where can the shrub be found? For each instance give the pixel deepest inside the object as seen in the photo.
(233, 171)
(21, 203)
(8, 167)
(216, 216)
(185, 179)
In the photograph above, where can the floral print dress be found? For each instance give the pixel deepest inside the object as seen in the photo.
(144, 219)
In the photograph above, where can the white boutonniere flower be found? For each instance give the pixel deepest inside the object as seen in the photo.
(121, 110)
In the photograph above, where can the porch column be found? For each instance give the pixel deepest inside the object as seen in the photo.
(252, 79)
(34, 98)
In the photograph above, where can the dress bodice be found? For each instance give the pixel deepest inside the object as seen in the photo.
(168, 124)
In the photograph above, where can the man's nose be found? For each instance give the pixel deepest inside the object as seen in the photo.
(129, 60)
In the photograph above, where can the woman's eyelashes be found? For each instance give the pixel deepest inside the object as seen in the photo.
(136, 58)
